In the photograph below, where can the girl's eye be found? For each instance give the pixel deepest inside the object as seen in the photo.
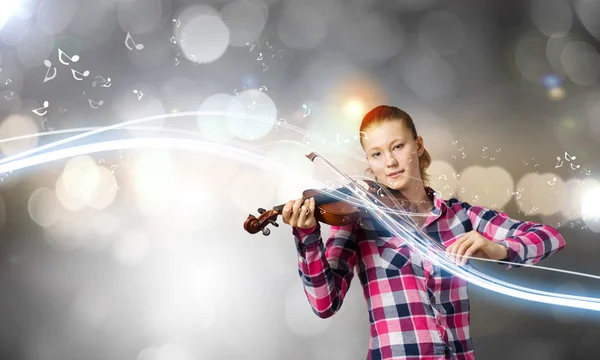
(375, 154)
(398, 146)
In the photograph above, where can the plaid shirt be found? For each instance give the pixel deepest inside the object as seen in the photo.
(416, 309)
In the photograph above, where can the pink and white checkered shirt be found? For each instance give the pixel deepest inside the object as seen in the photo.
(416, 309)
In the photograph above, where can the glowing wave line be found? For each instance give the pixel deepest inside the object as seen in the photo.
(472, 276)
(125, 124)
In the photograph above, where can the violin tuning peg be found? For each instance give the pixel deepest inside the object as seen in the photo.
(274, 223)
(266, 231)
(261, 210)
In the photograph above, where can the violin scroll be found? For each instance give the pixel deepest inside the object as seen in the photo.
(266, 217)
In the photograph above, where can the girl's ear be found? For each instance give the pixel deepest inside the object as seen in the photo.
(420, 146)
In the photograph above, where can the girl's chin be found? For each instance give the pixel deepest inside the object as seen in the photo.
(396, 184)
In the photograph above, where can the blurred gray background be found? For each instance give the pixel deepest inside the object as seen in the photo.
(139, 253)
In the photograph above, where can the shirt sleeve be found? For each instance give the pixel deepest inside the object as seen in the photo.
(527, 242)
(326, 270)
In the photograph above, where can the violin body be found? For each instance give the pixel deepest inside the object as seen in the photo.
(333, 213)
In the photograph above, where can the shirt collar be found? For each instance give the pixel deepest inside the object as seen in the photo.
(438, 203)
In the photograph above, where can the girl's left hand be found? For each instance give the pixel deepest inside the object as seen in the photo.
(473, 244)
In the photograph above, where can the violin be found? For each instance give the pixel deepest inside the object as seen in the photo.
(329, 209)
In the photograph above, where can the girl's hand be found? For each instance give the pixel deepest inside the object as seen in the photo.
(475, 245)
(300, 213)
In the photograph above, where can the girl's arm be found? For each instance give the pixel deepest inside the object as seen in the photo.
(527, 242)
(326, 270)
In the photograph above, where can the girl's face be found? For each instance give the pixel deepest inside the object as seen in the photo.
(391, 149)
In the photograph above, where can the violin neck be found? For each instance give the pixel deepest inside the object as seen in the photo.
(320, 199)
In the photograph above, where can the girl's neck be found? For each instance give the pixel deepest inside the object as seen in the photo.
(417, 196)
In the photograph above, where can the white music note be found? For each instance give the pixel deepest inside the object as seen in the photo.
(48, 64)
(99, 79)
(61, 54)
(177, 22)
(277, 54)
(39, 110)
(137, 46)
(139, 94)
(361, 134)
(339, 140)
(575, 167)
(95, 105)
(305, 139)
(75, 73)
(560, 163)
(569, 157)
(306, 110)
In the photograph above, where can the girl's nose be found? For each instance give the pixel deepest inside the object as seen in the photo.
(391, 160)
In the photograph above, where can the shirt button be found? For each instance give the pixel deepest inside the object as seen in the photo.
(432, 299)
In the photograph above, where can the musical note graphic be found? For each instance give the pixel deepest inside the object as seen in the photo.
(173, 39)
(39, 110)
(361, 134)
(177, 22)
(306, 110)
(278, 54)
(48, 64)
(305, 139)
(551, 182)
(569, 157)
(95, 105)
(280, 123)
(560, 163)
(9, 96)
(104, 82)
(139, 94)
(61, 54)
(340, 140)
(75, 73)
(574, 167)
(45, 124)
(137, 46)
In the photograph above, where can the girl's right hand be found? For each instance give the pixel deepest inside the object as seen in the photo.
(300, 213)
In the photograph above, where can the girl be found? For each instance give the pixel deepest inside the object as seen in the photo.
(416, 309)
